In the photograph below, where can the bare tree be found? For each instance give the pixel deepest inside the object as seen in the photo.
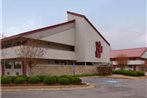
(122, 61)
(29, 51)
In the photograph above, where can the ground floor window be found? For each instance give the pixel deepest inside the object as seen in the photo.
(12, 67)
(17, 65)
(8, 65)
(84, 63)
(56, 62)
(130, 66)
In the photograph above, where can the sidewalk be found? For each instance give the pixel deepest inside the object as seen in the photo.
(124, 77)
(120, 77)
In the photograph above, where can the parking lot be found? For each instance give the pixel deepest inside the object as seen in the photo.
(105, 88)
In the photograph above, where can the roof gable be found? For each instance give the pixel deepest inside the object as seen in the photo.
(80, 15)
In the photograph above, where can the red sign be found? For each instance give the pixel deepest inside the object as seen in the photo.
(99, 49)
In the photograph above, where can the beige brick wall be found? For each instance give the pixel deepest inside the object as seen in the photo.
(63, 70)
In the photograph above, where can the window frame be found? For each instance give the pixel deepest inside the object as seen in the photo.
(18, 65)
(10, 65)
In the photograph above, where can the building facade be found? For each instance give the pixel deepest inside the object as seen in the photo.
(75, 42)
(137, 58)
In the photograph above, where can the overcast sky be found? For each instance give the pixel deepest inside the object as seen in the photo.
(121, 22)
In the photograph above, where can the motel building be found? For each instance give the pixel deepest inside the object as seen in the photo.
(74, 43)
(137, 58)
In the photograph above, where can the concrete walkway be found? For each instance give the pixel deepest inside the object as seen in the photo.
(125, 77)
(59, 87)
(119, 77)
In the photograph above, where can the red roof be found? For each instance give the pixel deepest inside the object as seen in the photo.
(134, 52)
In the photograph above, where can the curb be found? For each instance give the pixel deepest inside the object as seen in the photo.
(119, 77)
(45, 88)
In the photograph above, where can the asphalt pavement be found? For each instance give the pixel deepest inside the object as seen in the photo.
(105, 88)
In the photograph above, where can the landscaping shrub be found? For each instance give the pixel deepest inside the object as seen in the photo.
(20, 76)
(129, 72)
(19, 80)
(34, 79)
(64, 81)
(57, 78)
(49, 80)
(115, 72)
(141, 73)
(6, 80)
(27, 78)
(65, 76)
(104, 70)
(41, 77)
(13, 78)
(75, 80)
(134, 73)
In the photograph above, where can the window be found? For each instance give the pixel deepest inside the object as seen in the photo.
(17, 65)
(56, 62)
(72, 48)
(132, 58)
(8, 65)
(63, 62)
(130, 66)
